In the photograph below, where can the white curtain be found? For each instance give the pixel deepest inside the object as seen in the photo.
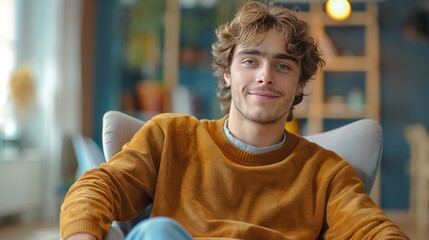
(49, 43)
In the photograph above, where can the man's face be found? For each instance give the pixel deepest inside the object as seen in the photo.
(264, 80)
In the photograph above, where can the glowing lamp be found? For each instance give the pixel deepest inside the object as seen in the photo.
(338, 9)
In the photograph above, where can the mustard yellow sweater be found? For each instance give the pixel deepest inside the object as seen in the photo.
(195, 175)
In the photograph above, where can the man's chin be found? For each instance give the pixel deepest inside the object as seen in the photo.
(267, 119)
(261, 114)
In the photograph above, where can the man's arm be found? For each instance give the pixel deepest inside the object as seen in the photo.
(110, 192)
(352, 214)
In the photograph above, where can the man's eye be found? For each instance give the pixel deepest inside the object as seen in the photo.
(282, 67)
(248, 62)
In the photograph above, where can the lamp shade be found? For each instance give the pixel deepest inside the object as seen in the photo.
(338, 9)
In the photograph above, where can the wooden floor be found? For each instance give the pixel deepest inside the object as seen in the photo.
(49, 231)
(29, 231)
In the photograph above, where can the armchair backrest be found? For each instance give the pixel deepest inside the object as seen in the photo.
(118, 129)
(359, 142)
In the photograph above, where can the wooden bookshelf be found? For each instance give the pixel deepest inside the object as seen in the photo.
(316, 110)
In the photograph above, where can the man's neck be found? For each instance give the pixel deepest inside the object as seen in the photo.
(254, 133)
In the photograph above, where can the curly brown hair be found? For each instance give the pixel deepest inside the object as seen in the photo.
(254, 18)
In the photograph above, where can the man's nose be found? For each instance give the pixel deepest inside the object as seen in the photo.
(265, 75)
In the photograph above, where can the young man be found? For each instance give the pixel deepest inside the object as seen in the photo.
(239, 177)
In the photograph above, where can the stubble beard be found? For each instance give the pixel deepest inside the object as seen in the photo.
(262, 120)
(258, 118)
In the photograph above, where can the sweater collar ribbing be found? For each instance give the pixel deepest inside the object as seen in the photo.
(246, 158)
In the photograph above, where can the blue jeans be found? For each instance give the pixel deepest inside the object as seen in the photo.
(159, 228)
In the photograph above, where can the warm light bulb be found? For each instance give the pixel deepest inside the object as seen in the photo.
(338, 9)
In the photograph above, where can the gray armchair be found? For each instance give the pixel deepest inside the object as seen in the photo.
(359, 142)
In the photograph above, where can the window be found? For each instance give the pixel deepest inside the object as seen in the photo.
(7, 51)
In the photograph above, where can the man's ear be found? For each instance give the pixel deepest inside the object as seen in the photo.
(301, 87)
(227, 78)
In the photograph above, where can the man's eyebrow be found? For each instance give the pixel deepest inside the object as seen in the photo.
(249, 51)
(259, 53)
(286, 57)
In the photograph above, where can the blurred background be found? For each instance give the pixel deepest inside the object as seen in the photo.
(64, 63)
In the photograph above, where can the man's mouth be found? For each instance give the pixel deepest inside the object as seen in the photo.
(264, 92)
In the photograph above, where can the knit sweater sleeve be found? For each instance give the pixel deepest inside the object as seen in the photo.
(351, 214)
(117, 189)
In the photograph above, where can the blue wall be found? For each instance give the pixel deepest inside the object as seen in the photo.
(108, 62)
(404, 95)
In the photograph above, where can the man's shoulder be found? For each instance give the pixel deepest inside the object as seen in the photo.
(180, 121)
(170, 118)
(312, 148)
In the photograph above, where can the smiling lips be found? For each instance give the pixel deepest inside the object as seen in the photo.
(263, 94)
(267, 93)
